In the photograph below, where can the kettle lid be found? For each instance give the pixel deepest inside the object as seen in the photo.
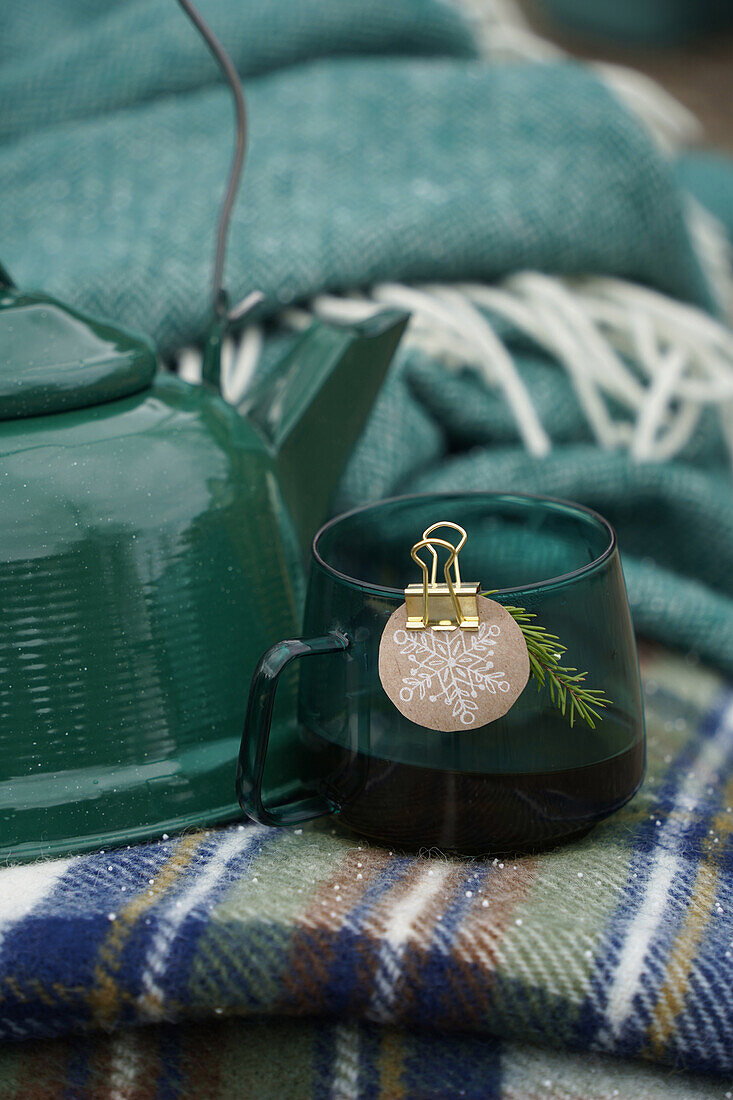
(53, 358)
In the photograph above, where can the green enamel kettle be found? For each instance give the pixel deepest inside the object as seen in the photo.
(150, 549)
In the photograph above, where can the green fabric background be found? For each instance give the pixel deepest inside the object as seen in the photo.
(381, 148)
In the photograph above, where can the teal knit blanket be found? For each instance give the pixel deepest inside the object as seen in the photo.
(382, 148)
(387, 152)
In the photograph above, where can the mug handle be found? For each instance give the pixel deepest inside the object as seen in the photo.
(256, 733)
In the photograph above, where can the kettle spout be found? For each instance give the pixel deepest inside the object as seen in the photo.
(312, 408)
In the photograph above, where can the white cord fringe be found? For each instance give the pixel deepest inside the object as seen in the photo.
(644, 367)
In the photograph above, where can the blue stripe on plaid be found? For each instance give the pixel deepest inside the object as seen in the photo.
(77, 1071)
(438, 1003)
(24, 950)
(676, 845)
(159, 959)
(169, 1077)
(462, 1072)
(324, 1062)
(704, 1029)
(344, 977)
(370, 1078)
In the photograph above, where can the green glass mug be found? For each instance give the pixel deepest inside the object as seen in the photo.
(523, 782)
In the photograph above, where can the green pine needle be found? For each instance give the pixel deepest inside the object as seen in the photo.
(566, 685)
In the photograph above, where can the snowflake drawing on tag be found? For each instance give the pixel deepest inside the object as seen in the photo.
(453, 666)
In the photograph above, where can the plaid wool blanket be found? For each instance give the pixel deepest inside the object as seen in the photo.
(620, 944)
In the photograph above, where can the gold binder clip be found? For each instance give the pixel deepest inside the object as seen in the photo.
(441, 606)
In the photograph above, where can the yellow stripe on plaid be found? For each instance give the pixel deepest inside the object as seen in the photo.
(105, 996)
(671, 999)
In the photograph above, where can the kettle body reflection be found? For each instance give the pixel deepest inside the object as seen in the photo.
(151, 548)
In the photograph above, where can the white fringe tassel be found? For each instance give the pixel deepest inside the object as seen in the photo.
(643, 366)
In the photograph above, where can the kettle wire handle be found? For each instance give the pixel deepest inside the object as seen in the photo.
(462, 542)
(220, 300)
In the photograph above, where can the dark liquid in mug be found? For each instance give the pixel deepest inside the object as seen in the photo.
(402, 805)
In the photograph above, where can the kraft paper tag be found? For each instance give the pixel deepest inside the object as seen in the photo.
(452, 680)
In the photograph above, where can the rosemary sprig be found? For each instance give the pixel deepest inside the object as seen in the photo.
(566, 685)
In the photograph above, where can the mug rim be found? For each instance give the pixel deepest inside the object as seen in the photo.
(540, 585)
